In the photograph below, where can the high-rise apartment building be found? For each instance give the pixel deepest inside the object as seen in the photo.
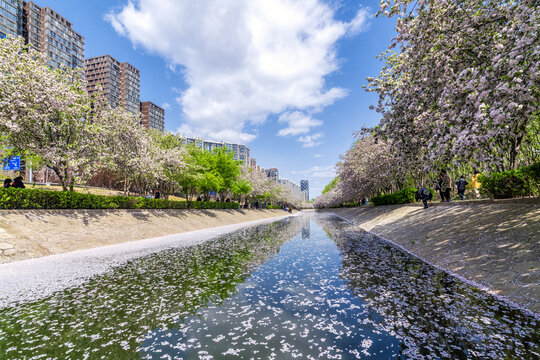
(273, 174)
(49, 32)
(152, 116)
(304, 187)
(294, 188)
(11, 17)
(44, 30)
(104, 72)
(130, 87)
(240, 152)
(120, 82)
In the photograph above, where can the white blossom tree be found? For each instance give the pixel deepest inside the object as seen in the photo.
(45, 112)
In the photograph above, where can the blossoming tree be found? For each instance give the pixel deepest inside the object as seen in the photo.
(463, 85)
(45, 112)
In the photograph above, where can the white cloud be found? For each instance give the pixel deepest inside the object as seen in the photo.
(317, 172)
(318, 156)
(298, 123)
(311, 140)
(242, 59)
(166, 106)
(360, 22)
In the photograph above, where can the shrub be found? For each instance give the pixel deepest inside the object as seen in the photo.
(45, 199)
(524, 181)
(533, 172)
(405, 196)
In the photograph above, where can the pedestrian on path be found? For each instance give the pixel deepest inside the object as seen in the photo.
(475, 184)
(7, 183)
(425, 195)
(461, 184)
(446, 185)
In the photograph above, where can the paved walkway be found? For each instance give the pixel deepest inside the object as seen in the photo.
(496, 245)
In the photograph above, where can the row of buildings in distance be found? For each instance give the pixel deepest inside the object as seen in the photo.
(44, 30)
(241, 152)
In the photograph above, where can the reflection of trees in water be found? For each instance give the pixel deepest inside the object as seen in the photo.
(108, 316)
(435, 314)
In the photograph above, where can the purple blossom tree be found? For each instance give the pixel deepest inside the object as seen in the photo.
(462, 86)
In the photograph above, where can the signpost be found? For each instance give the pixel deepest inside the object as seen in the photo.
(13, 163)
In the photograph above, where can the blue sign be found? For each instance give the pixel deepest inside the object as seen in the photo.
(13, 163)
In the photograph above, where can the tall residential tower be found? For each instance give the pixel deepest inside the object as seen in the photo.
(49, 32)
(152, 116)
(44, 30)
(304, 187)
(120, 82)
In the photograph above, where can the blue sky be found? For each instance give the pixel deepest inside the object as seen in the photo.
(281, 76)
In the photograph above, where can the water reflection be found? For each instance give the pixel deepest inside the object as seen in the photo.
(280, 291)
(109, 316)
(294, 306)
(306, 231)
(435, 315)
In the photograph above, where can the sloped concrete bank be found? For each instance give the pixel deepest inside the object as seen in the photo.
(496, 245)
(26, 234)
(32, 279)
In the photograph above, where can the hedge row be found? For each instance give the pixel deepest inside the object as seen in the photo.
(12, 198)
(524, 181)
(405, 196)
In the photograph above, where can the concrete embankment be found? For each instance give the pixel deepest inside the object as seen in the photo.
(28, 234)
(496, 245)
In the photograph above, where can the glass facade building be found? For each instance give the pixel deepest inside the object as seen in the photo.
(11, 18)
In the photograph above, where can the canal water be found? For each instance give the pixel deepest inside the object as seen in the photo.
(309, 287)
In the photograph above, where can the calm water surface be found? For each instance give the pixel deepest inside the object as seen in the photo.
(306, 288)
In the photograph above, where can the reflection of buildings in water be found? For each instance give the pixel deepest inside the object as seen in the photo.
(306, 231)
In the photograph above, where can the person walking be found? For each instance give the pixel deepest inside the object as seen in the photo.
(446, 184)
(425, 195)
(475, 184)
(461, 184)
(157, 194)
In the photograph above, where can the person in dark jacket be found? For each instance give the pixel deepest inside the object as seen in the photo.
(446, 184)
(424, 194)
(461, 184)
(157, 194)
(18, 182)
(7, 182)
